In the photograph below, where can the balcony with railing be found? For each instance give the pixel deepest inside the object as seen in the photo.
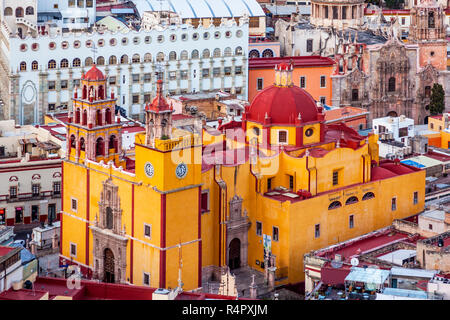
(30, 196)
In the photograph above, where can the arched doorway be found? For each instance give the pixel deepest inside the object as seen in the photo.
(234, 254)
(425, 121)
(392, 114)
(108, 266)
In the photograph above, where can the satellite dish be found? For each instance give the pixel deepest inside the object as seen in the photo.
(354, 262)
(336, 264)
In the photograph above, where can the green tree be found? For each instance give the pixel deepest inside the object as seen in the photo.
(437, 105)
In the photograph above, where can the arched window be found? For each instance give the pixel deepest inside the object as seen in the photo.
(136, 58)
(84, 95)
(88, 62)
(109, 218)
(82, 144)
(76, 62)
(355, 94)
(108, 114)
(195, 54)
(73, 142)
(52, 64)
(206, 54)
(77, 115)
(267, 53)
(8, 11)
(84, 117)
(334, 205)
(160, 57)
(100, 61)
(99, 147)
(29, 11)
(64, 63)
(184, 55)
(368, 195)
(124, 59)
(431, 20)
(227, 52)
(238, 51)
(19, 12)
(112, 143)
(253, 54)
(391, 84)
(427, 91)
(216, 53)
(351, 200)
(113, 60)
(23, 66)
(99, 118)
(101, 92)
(172, 56)
(148, 57)
(34, 65)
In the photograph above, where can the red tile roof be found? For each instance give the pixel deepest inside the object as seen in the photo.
(5, 250)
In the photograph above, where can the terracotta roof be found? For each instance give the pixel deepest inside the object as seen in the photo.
(93, 74)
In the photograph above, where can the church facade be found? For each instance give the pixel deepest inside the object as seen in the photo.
(260, 192)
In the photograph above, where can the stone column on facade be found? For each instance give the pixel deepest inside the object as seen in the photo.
(141, 90)
(166, 79)
(14, 101)
(70, 86)
(119, 85)
(244, 77)
(189, 89)
(130, 89)
(178, 89)
(233, 74)
(211, 74)
(200, 74)
(154, 80)
(222, 74)
(43, 88)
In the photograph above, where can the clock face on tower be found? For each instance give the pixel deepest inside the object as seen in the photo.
(181, 170)
(149, 170)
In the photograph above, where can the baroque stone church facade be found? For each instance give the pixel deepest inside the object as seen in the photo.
(395, 78)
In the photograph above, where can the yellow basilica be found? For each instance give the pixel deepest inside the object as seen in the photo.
(260, 192)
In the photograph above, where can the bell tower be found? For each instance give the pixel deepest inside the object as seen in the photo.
(427, 29)
(158, 119)
(92, 132)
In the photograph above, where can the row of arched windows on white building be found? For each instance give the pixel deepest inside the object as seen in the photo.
(19, 11)
(136, 58)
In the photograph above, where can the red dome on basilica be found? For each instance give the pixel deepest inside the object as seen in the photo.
(94, 74)
(283, 104)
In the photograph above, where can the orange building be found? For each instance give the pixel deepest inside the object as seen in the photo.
(311, 73)
(353, 117)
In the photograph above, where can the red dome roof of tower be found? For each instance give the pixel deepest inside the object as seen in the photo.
(94, 74)
(283, 105)
(159, 103)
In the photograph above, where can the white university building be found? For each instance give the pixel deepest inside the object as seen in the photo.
(39, 70)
